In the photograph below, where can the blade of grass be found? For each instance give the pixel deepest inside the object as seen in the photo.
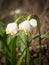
(45, 36)
(6, 49)
(23, 37)
(22, 56)
(13, 51)
(28, 56)
(5, 42)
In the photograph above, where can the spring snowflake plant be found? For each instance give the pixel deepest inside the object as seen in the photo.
(15, 40)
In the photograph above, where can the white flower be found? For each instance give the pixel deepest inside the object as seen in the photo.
(25, 26)
(11, 28)
(33, 22)
(17, 11)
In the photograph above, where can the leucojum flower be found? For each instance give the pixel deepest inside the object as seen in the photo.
(33, 22)
(11, 28)
(25, 26)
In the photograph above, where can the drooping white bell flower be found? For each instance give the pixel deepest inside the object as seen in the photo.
(18, 11)
(25, 26)
(33, 22)
(11, 28)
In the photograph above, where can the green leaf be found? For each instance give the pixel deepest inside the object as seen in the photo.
(13, 51)
(1, 38)
(21, 58)
(9, 38)
(28, 56)
(45, 36)
(2, 28)
(19, 44)
(21, 40)
(23, 37)
(6, 49)
(5, 42)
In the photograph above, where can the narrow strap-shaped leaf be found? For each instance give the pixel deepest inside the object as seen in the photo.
(5, 42)
(28, 57)
(45, 36)
(22, 56)
(1, 38)
(23, 37)
(13, 51)
(9, 39)
(6, 49)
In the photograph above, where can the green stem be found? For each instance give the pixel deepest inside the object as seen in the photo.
(28, 55)
(38, 28)
(25, 58)
(17, 20)
(40, 52)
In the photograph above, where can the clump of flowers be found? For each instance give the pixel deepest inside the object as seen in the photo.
(26, 26)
